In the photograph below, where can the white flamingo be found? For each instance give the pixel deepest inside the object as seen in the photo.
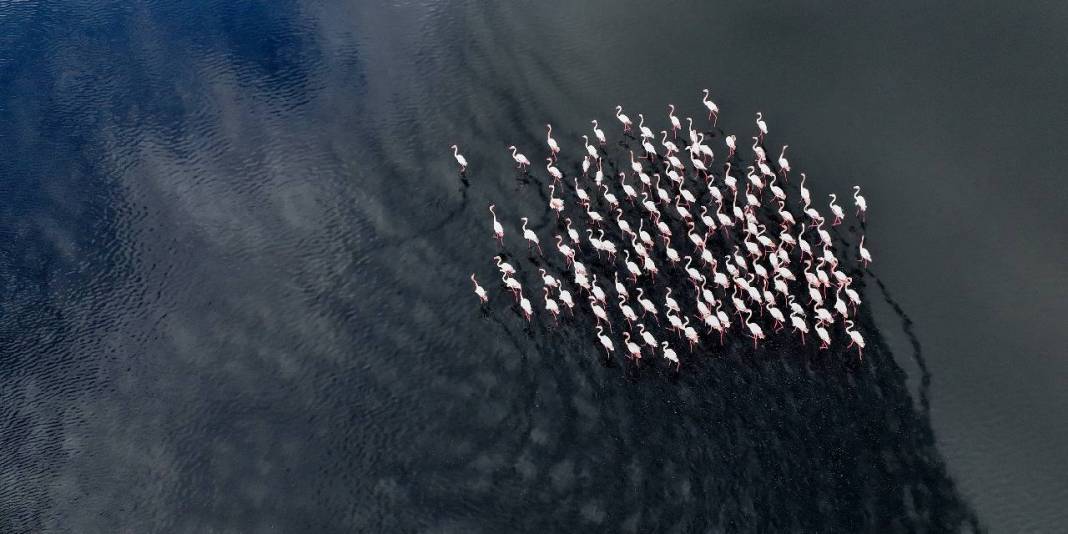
(479, 290)
(675, 124)
(754, 329)
(625, 120)
(761, 125)
(498, 229)
(713, 109)
(836, 210)
(865, 256)
(528, 310)
(598, 132)
(784, 164)
(606, 342)
(505, 267)
(521, 161)
(530, 236)
(554, 147)
(862, 205)
(553, 171)
(459, 158)
(632, 348)
(642, 128)
(572, 233)
(555, 204)
(670, 355)
(855, 339)
(550, 304)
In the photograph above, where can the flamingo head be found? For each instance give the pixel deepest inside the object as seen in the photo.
(511, 147)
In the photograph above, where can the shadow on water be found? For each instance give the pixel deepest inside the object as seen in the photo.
(783, 438)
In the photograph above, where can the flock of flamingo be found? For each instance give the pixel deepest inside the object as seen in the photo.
(738, 271)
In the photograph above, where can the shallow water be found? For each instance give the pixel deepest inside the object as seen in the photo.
(235, 247)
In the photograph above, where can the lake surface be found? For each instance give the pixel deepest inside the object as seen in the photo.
(234, 250)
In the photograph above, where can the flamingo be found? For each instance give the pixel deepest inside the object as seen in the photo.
(690, 333)
(759, 150)
(806, 197)
(729, 180)
(555, 204)
(763, 126)
(647, 305)
(459, 158)
(645, 131)
(550, 304)
(625, 120)
(521, 161)
(836, 210)
(565, 297)
(636, 166)
(855, 339)
(732, 144)
(553, 171)
(784, 164)
(647, 337)
(583, 197)
(754, 329)
(505, 267)
(530, 236)
(595, 217)
(862, 205)
(573, 234)
(568, 252)
(609, 197)
(628, 312)
(683, 212)
(498, 229)
(675, 124)
(598, 132)
(479, 290)
(670, 303)
(528, 310)
(633, 348)
(854, 297)
(799, 326)
(825, 338)
(628, 191)
(713, 109)
(590, 149)
(669, 146)
(620, 288)
(609, 348)
(599, 313)
(554, 147)
(777, 315)
(632, 267)
(865, 256)
(548, 280)
(608, 246)
(670, 355)
(695, 276)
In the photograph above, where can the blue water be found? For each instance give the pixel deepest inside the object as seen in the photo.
(234, 249)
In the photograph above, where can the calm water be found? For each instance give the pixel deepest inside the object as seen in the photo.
(233, 250)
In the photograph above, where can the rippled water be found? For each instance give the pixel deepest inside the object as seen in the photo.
(234, 250)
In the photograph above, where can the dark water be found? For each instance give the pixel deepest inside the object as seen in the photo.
(233, 250)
